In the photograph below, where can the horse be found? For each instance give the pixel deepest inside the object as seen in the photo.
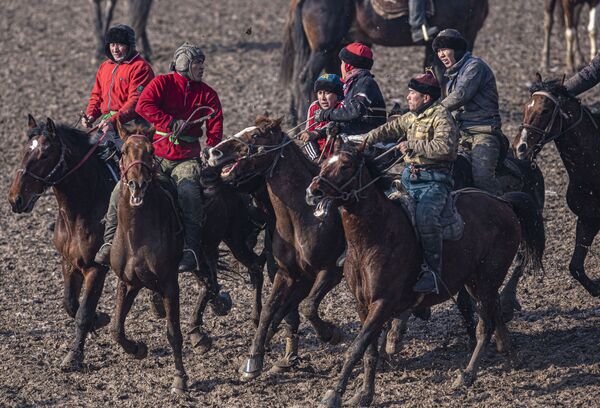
(59, 156)
(305, 248)
(570, 10)
(139, 10)
(316, 29)
(552, 115)
(147, 246)
(384, 259)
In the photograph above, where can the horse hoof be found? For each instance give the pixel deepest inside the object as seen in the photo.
(393, 345)
(284, 365)
(179, 385)
(221, 304)
(201, 341)
(360, 399)
(102, 319)
(331, 400)
(73, 361)
(463, 380)
(336, 336)
(251, 368)
(141, 350)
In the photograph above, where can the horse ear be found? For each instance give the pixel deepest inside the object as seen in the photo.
(538, 77)
(31, 121)
(51, 127)
(120, 130)
(278, 121)
(361, 147)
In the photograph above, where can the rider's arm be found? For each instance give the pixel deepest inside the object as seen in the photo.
(444, 144)
(149, 104)
(214, 126)
(585, 79)
(467, 85)
(350, 110)
(394, 131)
(138, 80)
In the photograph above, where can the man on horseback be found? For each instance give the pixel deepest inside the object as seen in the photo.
(585, 79)
(470, 92)
(428, 138)
(417, 19)
(363, 108)
(119, 83)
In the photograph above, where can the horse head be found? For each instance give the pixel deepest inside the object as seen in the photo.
(544, 116)
(339, 181)
(251, 152)
(137, 160)
(42, 163)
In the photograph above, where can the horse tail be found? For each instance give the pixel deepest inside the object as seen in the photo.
(533, 235)
(294, 42)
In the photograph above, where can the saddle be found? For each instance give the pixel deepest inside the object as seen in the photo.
(390, 9)
(508, 172)
(451, 221)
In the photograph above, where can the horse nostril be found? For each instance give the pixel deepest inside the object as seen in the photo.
(215, 153)
(318, 193)
(522, 148)
(18, 201)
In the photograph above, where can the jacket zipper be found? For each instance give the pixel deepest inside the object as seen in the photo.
(112, 82)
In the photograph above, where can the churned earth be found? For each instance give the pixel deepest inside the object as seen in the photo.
(47, 71)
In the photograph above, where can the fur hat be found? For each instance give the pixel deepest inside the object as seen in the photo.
(120, 34)
(426, 84)
(358, 55)
(450, 38)
(184, 56)
(330, 83)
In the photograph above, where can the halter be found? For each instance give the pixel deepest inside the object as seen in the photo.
(557, 112)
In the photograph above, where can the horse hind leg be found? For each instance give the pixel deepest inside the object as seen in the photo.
(393, 339)
(586, 230)
(570, 33)
(591, 29)
(508, 296)
(171, 303)
(125, 296)
(199, 338)
(157, 306)
(73, 280)
(548, 23)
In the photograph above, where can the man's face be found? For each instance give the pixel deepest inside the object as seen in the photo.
(343, 70)
(416, 99)
(197, 71)
(326, 99)
(446, 55)
(118, 51)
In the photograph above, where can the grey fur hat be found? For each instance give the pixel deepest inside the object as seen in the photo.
(184, 56)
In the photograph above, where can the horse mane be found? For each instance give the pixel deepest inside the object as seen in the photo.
(553, 87)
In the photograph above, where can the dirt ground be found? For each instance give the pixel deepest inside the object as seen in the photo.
(47, 48)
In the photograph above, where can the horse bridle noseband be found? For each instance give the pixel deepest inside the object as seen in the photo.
(347, 195)
(124, 170)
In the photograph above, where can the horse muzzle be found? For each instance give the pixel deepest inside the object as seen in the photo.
(19, 205)
(521, 151)
(137, 192)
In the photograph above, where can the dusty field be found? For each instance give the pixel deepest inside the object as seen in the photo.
(47, 48)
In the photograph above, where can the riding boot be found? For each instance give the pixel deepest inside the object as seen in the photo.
(190, 261)
(432, 265)
(110, 227)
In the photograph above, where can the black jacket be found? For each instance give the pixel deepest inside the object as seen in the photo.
(363, 108)
(585, 79)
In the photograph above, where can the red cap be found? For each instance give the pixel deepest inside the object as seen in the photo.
(357, 55)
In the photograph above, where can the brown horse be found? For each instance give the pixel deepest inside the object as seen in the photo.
(57, 156)
(552, 115)
(305, 248)
(570, 12)
(147, 247)
(316, 29)
(384, 259)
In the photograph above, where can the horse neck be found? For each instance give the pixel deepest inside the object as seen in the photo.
(581, 145)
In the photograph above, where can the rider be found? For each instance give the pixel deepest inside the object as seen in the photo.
(119, 83)
(417, 19)
(470, 93)
(329, 90)
(585, 79)
(428, 137)
(363, 108)
(167, 102)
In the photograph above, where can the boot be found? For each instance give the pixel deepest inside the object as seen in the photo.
(191, 252)
(423, 34)
(110, 227)
(432, 265)
(427, 282)
(189, 260)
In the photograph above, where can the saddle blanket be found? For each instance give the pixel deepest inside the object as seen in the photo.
(390, 9)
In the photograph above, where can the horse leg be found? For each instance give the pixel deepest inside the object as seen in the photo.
(503, 342)
(125, 296)
(290, 333)
(157, 306)
(587, 228)
(579, 58)
(364, 395)
(199, 338)
(548, 23)
(98, 26)
(508, 295)
(570, 33)
(86, 318)
(139, 10)
(368, 335)
(465, 307)
(591, 29)
(393, 339)
(326, 280)
(171, 303)
(73, 279)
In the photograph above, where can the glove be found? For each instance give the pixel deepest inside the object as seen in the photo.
(86, 121)
(319, 115)
(332, 129)
(177, 126)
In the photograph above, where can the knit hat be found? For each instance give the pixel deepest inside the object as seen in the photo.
(120, 34)
(426, 84)
(357, 55)
(450, 38)
(183, 58)
(330, 83)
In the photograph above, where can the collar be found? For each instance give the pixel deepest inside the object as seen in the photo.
(425, 109)
(125, 61)
(453, 70)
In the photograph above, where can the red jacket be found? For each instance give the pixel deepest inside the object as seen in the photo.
(172, 96)
(312, 126)
(118, 87)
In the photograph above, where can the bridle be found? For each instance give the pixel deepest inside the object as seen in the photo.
(546, 133)
(125, 169)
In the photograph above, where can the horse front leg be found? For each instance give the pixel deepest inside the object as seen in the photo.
(73, 281)
(570, 33)
(587, 228)
(171, 302)
(86, 318)
(368, 335)
(548, 23)
(393, 338)
(591, 29)
(364, 395)
(326, 280)
(125, 296)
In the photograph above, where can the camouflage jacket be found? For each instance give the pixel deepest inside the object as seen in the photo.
(432, 135)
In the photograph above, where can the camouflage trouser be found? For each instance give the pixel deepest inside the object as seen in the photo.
(485, 151)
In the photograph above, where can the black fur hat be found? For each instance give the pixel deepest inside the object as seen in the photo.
(450, 38)
(120, 34)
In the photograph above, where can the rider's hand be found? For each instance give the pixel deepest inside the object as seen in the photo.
(86, 121)
(308, 136)
(319, 115)
(403, 147)
(106, 126)
(177, 126)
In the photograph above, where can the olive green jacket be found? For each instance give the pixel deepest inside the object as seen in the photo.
(432, 135)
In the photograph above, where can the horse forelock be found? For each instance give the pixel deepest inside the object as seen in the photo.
(554, 87)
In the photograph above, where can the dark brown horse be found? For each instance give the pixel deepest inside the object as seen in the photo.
(139, 10)
(305, 248)
(384, 260)
(147, 247)
(55, 156)
(552, 115)
(316, 29)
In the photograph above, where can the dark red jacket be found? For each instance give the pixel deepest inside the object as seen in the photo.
(118, 87)
(312, 126)
(173, 96)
